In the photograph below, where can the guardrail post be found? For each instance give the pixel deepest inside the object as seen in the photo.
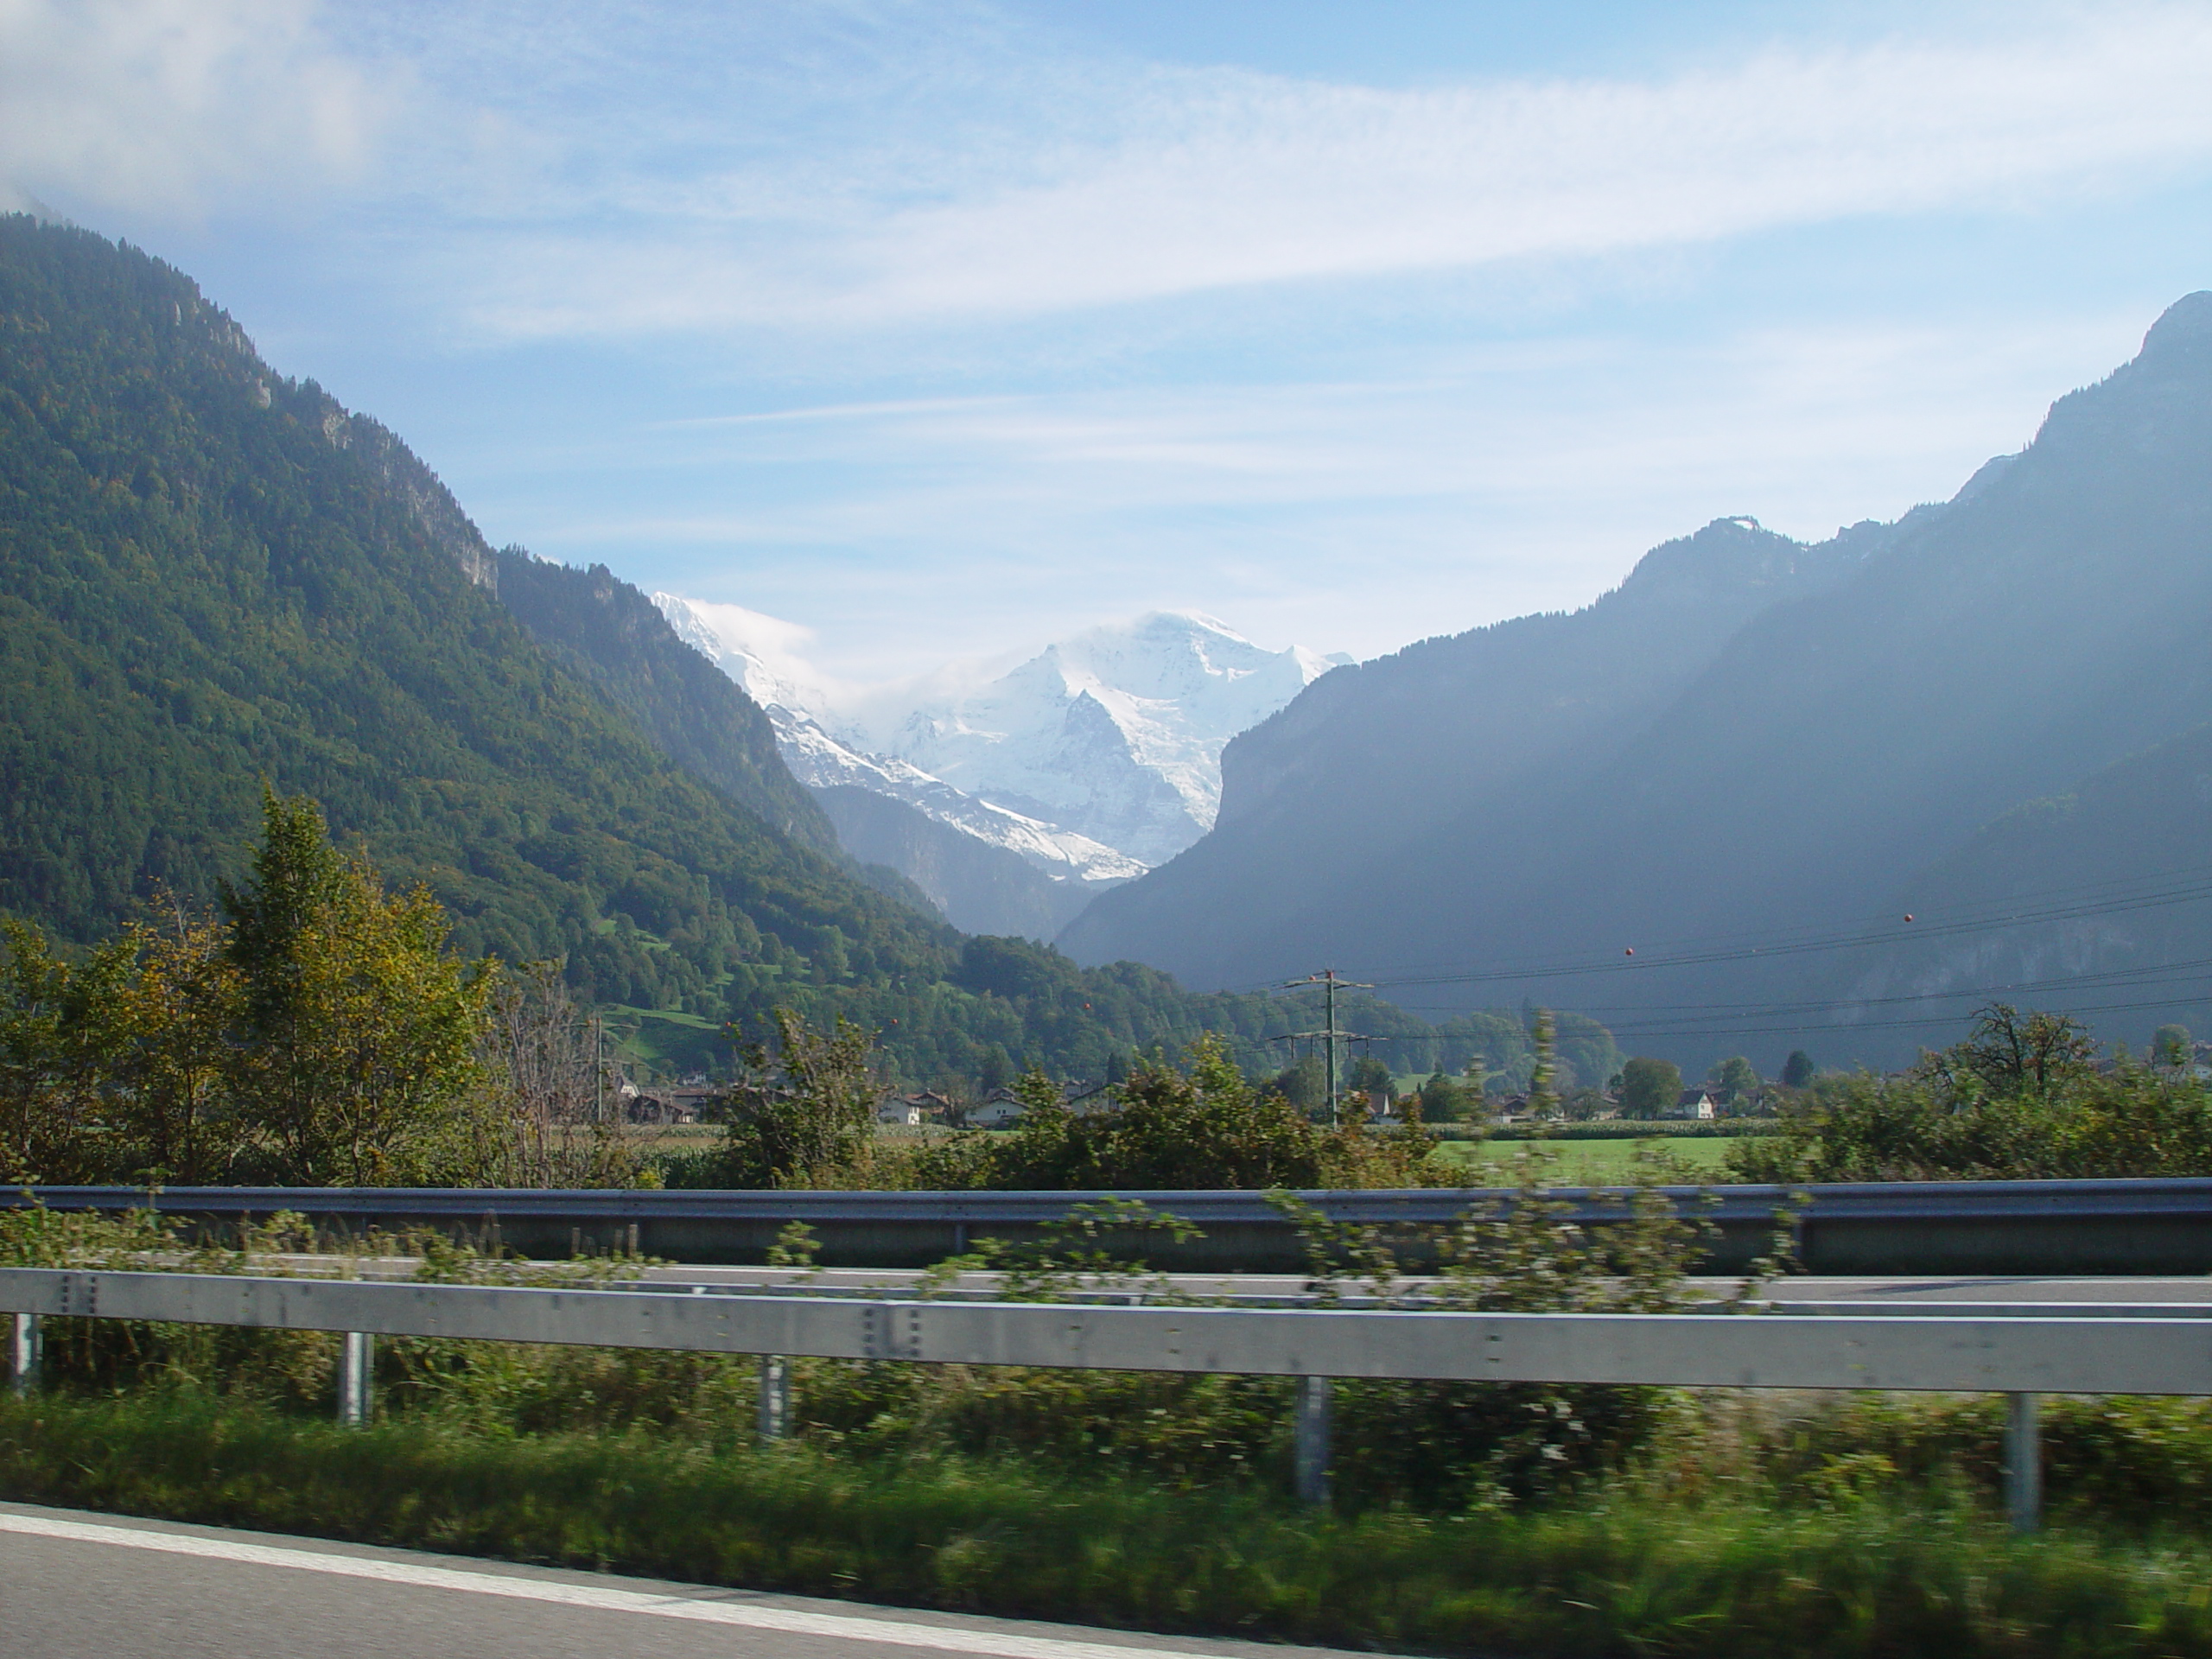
(26, 1349)
(775, 1396)
(356, 1376)
(2023, 1461)
(1311, 1425)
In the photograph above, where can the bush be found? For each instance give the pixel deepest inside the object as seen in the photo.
(2018, 1099)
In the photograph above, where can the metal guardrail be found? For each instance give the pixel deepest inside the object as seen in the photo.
(1949, 1227)
(2022, 1358)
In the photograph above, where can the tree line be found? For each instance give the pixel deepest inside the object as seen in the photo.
(2023, 1096)
(313, 1030)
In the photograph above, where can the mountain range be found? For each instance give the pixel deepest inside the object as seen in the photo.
(1089, 763)
(1765, 794)
(1748, 764)
(215, 579)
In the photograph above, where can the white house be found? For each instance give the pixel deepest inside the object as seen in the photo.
(1700, 1103)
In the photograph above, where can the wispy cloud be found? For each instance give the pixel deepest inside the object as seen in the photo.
(179, 107)
(1343, 515)
(581, 170)
(1178, 182)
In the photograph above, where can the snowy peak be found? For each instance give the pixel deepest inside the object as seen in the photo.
(1095, 759)
(1117, 732)
(759, 653)
(820, 761)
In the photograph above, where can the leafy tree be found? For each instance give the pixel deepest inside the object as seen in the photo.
(54, 1048)
(1305, 1084)
(2169, 1045)
(358, 1024)
(1201, 1124)
(1798, 1070)
(1649, 1088)
(1369, 1077)
(2009, 1053)
(2017, 1099)
(1444, 1099)
(804, 1115)
(1582, 1105)
(173, 1020)
(1736, 1078)
(996, 1070)
(1544, 1081)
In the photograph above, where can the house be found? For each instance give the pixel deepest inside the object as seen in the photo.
(999, 1112)
(661, 1102)
(911, 1111)
(1703, 1102)
(1086, 1099)
(1502, 1109)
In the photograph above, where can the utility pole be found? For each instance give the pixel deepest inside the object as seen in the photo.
(1327, 979)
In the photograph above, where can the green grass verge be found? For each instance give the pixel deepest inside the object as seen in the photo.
(1627, 1571)
(1584, 1163)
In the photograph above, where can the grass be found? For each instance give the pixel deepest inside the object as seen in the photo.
(1585, 1163)
(1628, 1569)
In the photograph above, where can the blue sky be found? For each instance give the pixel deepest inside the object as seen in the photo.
(942, 329)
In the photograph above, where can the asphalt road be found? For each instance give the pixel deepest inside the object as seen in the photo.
(80, 1586)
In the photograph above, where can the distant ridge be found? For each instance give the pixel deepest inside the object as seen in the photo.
(1751, 735)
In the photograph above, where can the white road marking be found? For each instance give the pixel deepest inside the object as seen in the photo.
(939, 1639)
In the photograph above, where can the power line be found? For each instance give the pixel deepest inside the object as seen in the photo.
(1327, 978)
(2148, 975)
(2118, 896)
(1576, 971)
(2196, 885)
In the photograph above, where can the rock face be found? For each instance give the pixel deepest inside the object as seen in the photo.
(1750, 738)
(1087, 764)
(981, 887)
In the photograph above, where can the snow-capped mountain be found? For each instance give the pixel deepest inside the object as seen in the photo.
(797, 703)
(1116, 733)
(1094, 760)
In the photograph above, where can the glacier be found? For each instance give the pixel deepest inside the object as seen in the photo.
(1094, 760)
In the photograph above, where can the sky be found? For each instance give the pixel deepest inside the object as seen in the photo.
(941, 330)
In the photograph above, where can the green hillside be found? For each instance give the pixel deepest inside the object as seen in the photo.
(215, 576)
(594, 623)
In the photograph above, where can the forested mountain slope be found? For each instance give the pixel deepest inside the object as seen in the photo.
(1836, 730)
(594, 622)
(2098, 900)
(1479, 724)
(703, 718)
(212, 577)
